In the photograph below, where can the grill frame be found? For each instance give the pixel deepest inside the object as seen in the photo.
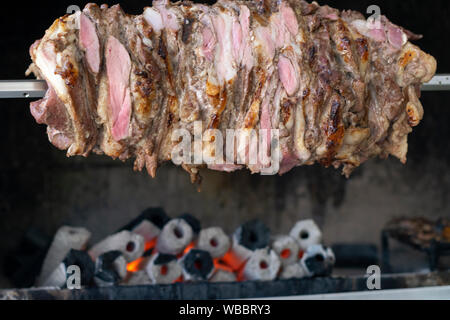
(236, 290)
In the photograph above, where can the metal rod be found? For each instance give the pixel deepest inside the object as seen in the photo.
(440, 82)
(37, 88)
(22, 88)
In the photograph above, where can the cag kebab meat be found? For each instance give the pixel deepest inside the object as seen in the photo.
(339, 89)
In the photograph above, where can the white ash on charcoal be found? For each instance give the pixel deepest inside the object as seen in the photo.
(263, 265)
(163, 269)
(293, 271)
(66, 238)
(215, 241)
(193, 222)
(57, 278)
(137, 278)
(223, 276)
(307, 233)
(131, 245)
(197, 265)
(110, 269)
(250, 236)
(148, 224)
(318, 261)
(176, 235)
(287, 249)
(77, 258)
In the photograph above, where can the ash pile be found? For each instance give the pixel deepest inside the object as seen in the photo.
(156, 249)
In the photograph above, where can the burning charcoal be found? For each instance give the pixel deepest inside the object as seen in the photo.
(263, 265)
(318, 261)
(139, 263)
(83, 260)
(130, 244)
(215, 241)
(293, 271)
(307, 233)
(163, 269)
(223, 276)
(247, 238)
(148, 224)
(192, 221)
(148, 253)
(253, 235)
(110, 268)
(174, 237)
(138, 278)
(58, 278)
(156, 216)
(66, 238)
(147, 230)
(287, 249)
(197, 265)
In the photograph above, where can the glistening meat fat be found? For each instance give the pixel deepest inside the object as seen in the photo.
(336, 88)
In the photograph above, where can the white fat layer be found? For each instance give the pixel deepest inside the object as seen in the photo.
(224, 56)
(47, 58)
(299, 137)
(258, 38)
(76, 19)
(147, 42)
(361, 26)
(48, 66)
(154, 18)
(405, 38)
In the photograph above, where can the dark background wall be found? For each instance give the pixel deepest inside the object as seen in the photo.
(41, 188)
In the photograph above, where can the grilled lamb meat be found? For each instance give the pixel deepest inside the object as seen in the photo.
(336, 88)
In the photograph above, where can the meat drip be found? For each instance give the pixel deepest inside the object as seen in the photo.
(335, 88)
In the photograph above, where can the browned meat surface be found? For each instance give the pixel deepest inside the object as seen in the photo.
(323, 85)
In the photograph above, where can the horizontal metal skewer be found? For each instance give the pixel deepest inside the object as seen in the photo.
(440, 82)
(37, 88)
(22, 88)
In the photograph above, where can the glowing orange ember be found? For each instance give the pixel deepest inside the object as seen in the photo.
(232, 260)
(219, 264)
(187, 249)
(150, 244)
(240, 273)
(134, 265)
(164, 270)
(285, 254)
